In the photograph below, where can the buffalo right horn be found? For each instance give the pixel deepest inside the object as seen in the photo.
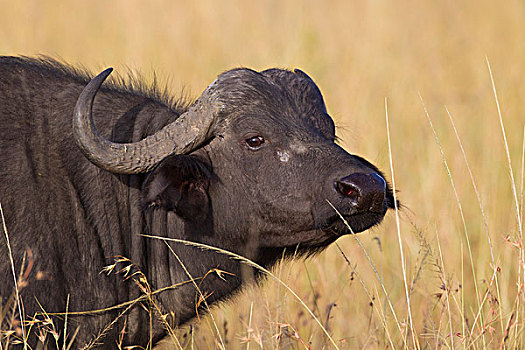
(186, 133)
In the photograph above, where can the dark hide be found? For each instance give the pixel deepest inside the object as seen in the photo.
(75, 218)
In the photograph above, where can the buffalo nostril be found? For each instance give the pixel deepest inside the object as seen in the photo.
(348, 190)
(366, 191)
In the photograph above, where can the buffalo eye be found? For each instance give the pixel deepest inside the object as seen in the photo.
(254, 143)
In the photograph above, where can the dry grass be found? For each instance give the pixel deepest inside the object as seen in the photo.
(359, 53)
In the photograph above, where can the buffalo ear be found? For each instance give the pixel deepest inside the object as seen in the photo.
(179, 184)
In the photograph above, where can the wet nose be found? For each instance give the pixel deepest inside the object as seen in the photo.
(366, 191)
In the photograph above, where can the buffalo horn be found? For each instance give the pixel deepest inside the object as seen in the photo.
(186, 133)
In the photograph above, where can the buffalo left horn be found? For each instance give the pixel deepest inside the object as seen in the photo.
(186, 133)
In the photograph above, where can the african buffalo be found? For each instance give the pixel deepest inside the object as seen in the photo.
(87, 170)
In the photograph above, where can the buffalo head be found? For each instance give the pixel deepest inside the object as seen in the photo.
(255, 154)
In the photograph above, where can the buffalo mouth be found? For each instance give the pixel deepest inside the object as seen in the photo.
(354, 223)
(343, 224)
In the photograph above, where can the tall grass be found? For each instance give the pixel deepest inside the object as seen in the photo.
(447, 291)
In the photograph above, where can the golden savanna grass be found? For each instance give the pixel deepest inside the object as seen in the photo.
(421, 65)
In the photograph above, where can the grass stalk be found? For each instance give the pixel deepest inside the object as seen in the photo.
(522, 179)
(248, 333)
(479, 314)
(65, 322)
(201, 295)
(102, 333)
(509, 161)
(121, 305)
(400, 241)
(15, 280)
(382, 316)
(521, 261)
(463, 318)
(381, 311)
(458, 201)
(447, 291)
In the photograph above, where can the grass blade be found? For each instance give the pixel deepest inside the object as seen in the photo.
(400, 241)
(6, 235)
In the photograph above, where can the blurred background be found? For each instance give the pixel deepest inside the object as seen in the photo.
(463, 291)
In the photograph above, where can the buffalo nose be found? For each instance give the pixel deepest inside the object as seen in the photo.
(366, 191)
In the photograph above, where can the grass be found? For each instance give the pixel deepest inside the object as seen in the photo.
(451, 268)
(15, 297)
